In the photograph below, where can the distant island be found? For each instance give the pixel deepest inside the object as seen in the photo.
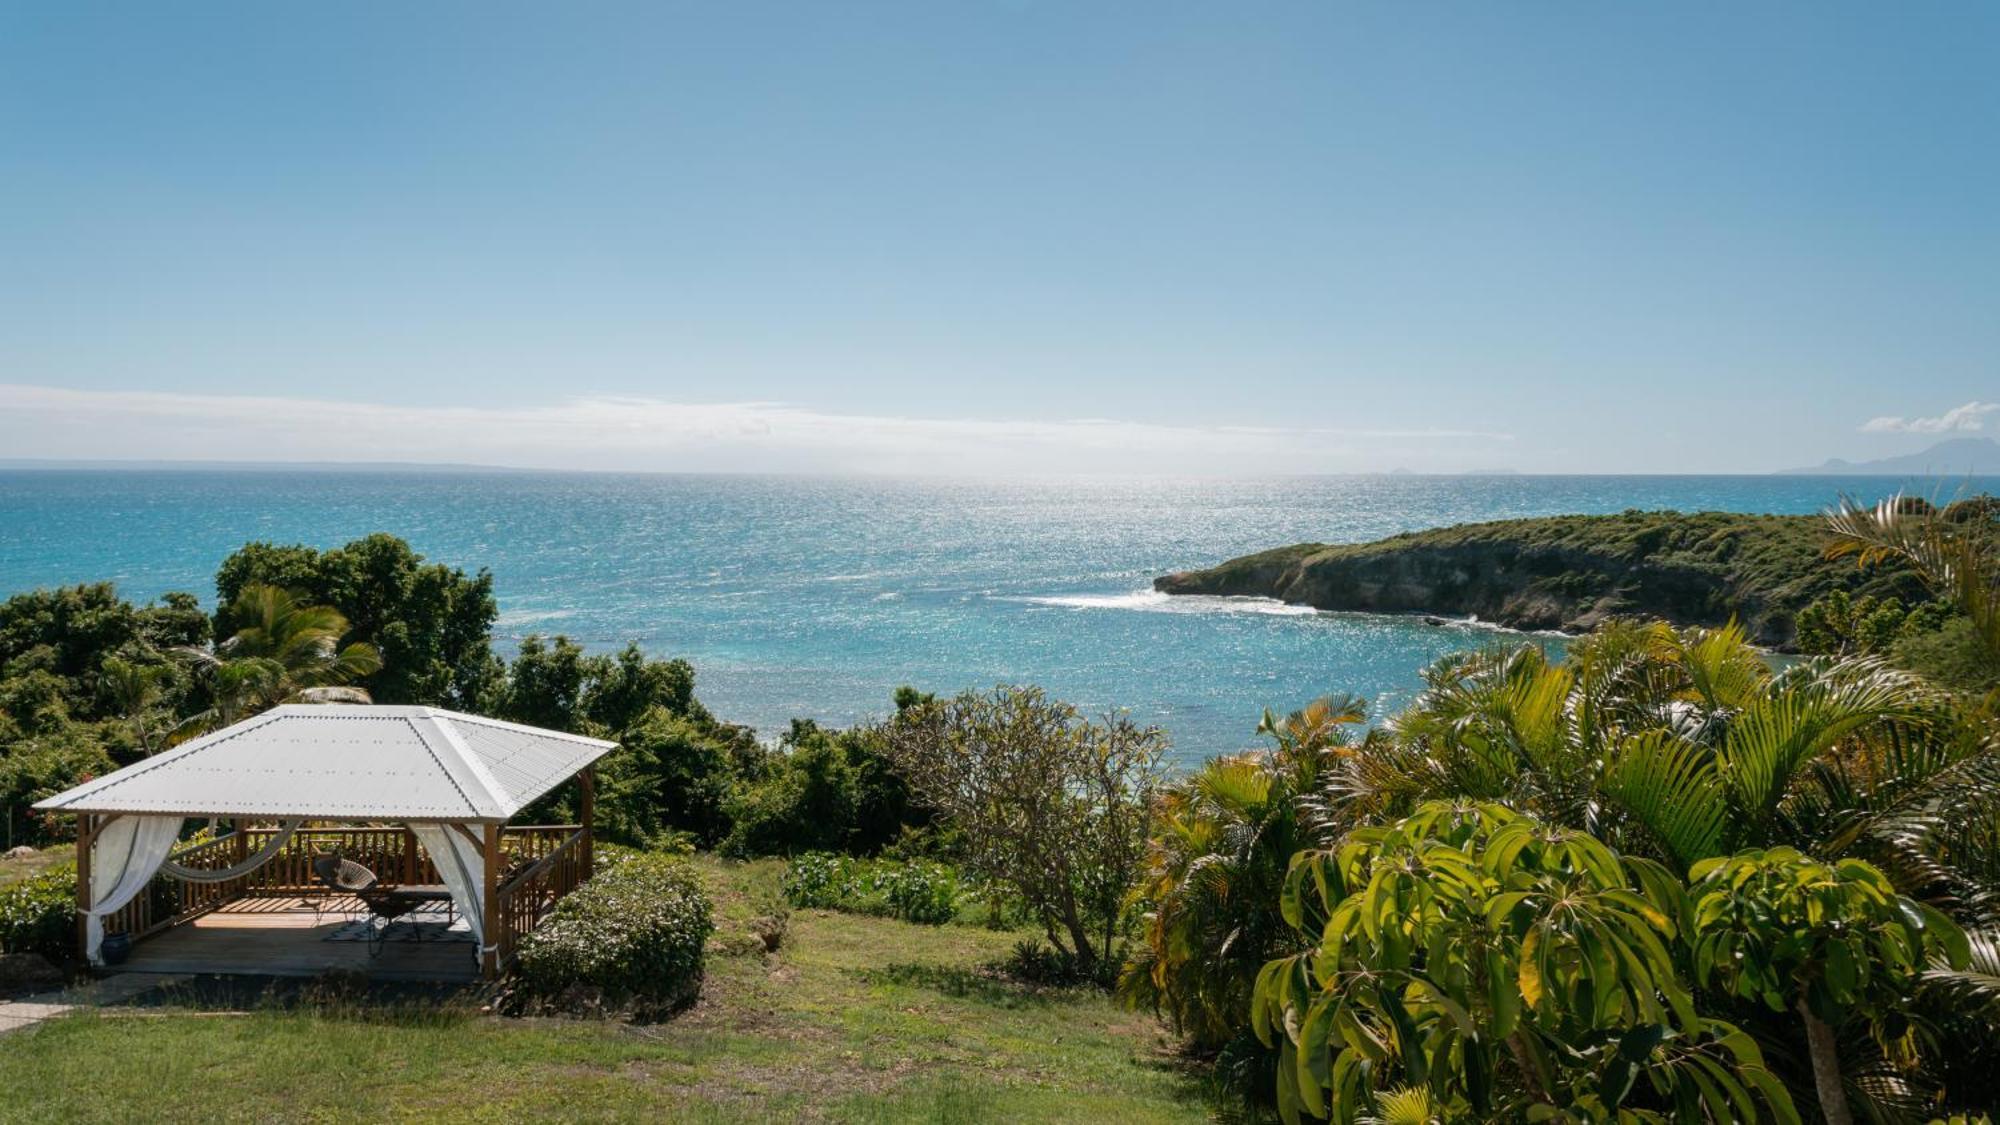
(1955, 458)
(1569, 573)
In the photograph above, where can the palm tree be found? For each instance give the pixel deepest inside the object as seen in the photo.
(1953, 555)
(278, 651)
(135, 688)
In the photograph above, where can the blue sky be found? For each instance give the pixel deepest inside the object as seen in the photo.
(1000, 237)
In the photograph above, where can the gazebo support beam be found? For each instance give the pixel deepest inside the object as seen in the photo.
(489, 956)
(586, 813)
(85, 834)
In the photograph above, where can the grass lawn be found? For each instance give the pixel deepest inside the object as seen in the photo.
(854, 1019)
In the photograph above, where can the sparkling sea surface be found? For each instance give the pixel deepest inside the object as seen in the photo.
(801, 596)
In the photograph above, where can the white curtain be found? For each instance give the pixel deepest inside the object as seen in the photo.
(264, 855)
(124, 855)
(462, 866)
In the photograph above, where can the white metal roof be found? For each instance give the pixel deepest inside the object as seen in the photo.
(338, 762)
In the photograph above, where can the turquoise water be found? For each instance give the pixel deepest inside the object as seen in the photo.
(817, 597)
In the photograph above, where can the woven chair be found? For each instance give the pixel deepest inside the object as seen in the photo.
(344, 876)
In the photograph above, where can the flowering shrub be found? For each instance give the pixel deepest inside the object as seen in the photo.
(913, 890)
(632, 938)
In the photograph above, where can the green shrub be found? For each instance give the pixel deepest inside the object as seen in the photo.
(915, 891)
(821, 790)
(919, 891)
(817, 881)
(38, 914)
(630, 938)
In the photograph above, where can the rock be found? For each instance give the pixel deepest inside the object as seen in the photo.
(28, 972)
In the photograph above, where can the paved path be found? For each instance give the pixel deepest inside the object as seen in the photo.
(115, 989)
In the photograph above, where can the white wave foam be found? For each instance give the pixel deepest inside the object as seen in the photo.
(530, 616)
(1153, 601)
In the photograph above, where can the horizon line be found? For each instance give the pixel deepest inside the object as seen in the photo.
(227, 465)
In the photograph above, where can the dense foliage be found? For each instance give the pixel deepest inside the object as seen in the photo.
(1651, 876)
(429, 622)
(87, 682)
(631, 938)
(1506, 970)
(38, 914)
(1221, 841)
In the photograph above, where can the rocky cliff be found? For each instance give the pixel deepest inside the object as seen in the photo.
(1566, 572)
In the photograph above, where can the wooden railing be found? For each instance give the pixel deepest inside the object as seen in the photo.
(531, 893)
(168, 901)
(391, 851)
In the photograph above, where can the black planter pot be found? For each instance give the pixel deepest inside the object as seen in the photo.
(115, 949)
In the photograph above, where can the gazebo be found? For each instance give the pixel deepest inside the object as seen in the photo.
(418, 795)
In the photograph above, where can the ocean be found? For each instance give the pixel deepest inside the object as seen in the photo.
(817, 597)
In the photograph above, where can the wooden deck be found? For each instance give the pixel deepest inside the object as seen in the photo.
(279, 937)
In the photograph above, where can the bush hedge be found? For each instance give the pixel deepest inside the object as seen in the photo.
(38, 914)
(913, 890)
(631, 939)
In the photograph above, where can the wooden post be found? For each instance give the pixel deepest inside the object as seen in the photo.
(410, 861)
(85, 832)
(239, 836)
(489, 957)
(587, 813)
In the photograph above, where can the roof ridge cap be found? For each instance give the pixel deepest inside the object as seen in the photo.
(473, 765)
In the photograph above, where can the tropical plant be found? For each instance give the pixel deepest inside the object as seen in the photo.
(1831, 942)
(1222, 839)
(277, 651)
(915, 890)
(1048, 804)
(1510, 969)
(137, 689)
(1684, 745)
(1955, 552)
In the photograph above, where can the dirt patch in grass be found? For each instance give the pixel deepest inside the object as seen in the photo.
(15, 870)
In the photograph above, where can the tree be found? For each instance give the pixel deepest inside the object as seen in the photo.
(136, 690)
(1828, 941)
(670, 774)
(1048, 803)
(278, 650)
(545, 686)
(807, 800)
(678, 766)
(432, 624)
(68, 633)
(1512, 970)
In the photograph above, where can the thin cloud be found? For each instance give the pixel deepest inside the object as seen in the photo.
(1971, 416)
(612, 432)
